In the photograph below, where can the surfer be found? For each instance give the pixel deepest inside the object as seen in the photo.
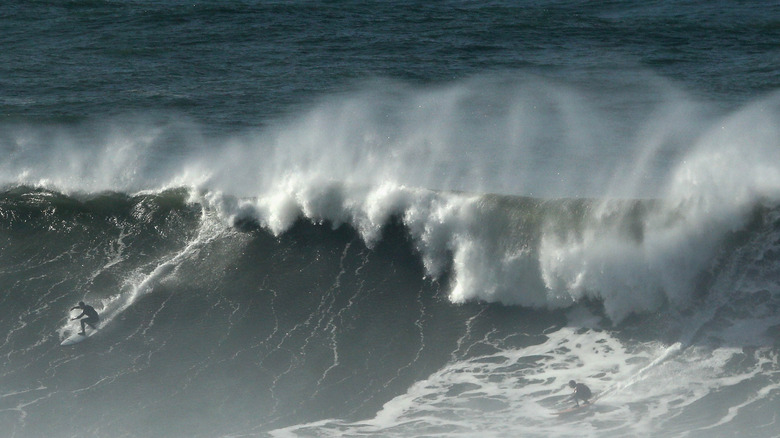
(581, 392)
(91, 314)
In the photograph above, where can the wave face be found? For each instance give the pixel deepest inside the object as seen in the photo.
(314, 332)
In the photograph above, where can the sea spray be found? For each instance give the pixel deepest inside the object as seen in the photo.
(430, 156)
(442, 212)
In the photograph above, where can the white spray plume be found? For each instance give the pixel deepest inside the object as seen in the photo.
(428, 155)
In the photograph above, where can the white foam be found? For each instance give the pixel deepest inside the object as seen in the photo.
(387, 149)
(641, 389)
(712, 192)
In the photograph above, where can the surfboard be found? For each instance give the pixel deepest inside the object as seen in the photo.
(576, 409)
(77, 337)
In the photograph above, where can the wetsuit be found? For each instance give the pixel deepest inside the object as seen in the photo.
(91, 314)
(582, 392)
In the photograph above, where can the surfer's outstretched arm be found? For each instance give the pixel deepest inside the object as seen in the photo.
(573, 397)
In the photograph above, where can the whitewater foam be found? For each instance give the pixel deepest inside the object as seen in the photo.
(640, 389)
(430, 157)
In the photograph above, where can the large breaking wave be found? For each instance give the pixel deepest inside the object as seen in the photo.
(432, 157)
(310, 258)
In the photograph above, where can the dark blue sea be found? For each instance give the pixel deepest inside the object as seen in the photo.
(390, 219)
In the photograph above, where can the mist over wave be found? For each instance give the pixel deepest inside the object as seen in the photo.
(429, 155)
(317, 258)
(503, 133)
(387, 219)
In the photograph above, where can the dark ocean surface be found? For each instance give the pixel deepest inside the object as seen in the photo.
(390, 219)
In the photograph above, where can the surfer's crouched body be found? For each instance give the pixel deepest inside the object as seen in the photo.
(91, 314)
(581, 392)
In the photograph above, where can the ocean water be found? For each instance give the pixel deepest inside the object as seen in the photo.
(390, 219)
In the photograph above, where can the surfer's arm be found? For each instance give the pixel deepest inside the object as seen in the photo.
(78, 317)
